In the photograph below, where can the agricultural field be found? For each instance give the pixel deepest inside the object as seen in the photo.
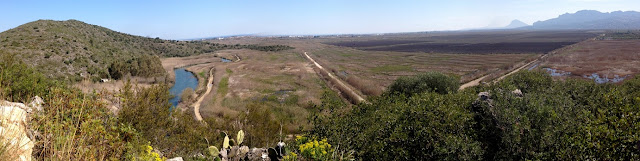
(606, 59)
(469, 42)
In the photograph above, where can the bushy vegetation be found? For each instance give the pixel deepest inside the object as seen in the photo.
(142, 65)
(426, 82)
(73, 125)
(73, 50)
(187, 94)
(172, 132)
(20, 83)
(550, 120)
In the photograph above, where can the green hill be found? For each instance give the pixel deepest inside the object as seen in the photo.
(73, 50)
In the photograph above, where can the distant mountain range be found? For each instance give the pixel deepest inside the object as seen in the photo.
(591, 19)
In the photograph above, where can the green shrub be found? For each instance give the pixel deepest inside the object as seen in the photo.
(18, 82)
(75, 126)
(550, 120)
(427, 126)
(186, 94)
(427, 82)
(567, 120)
(175, 133)
(528, 81)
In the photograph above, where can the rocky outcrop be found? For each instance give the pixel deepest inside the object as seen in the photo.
(517, 92)
(13, 127)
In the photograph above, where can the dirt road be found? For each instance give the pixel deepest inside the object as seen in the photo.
(476, 82)
(196, 105)
(521, 67)
(472, 83)
(339, 82)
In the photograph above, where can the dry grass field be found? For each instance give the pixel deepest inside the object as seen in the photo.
(606, 58)
(381, 68)
(371, 71)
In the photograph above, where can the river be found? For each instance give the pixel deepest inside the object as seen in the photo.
(184, 79)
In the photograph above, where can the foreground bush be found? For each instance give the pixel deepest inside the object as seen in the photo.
(568, 120)
(426, 126)
(548, 120)
(18, 82)
(73, 125)
(175, 133)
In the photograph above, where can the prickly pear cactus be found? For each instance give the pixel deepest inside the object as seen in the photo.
(225, 143)
(240, 137)
(213, 151)
(232, 142)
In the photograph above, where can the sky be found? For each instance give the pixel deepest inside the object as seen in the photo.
(208, 18)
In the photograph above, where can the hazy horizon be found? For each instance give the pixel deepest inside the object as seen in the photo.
(177, 20)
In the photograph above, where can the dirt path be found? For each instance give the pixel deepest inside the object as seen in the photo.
(472, 83)
(521, 67)
(476, 82)
(196, 105)
(331, 76)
